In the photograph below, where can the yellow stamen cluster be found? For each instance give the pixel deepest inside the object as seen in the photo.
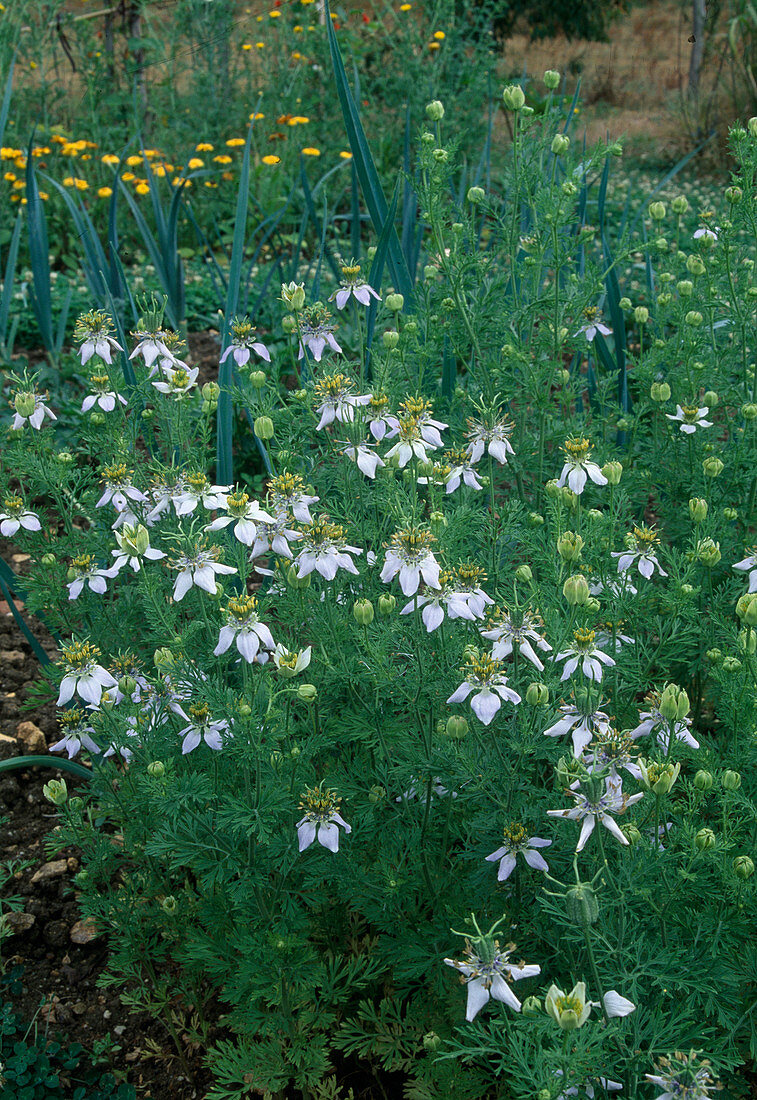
(416, 406)
(333, 385)
(241, 328)
(591, 313)
(80, 654)
(470, 576)
(611, 744)
(13, 505)
(409, 428)
(412, 540)
(378, 402)
(117, 474)
(482, 668)
(197, 482)
(286, 485)
(94, 323)
(515, 835)
(645, 536)
(690, 413)
(319, 804)
(242, 607)
(456, 456)
(351, 271)
(173, 341)
(584, 639)
(124, 664)
(180, 379)
(99, 381)
(567, 1003)
(237, 503)
(70, 717)
(322, 531)
(576, 449)
(199, 713)
(82, 563)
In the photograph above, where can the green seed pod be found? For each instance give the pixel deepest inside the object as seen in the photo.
(743, 867)
(298, 582)
(307, 692)
(523, 574)
(456, 727)
(660, 391)
(394, 303)
(657, 211)
(537, 695)
(582, 905)
(257, 379)
(263, 426)
(551, 79)
(513, 97)
(569, 546)
(705, 840)
(698, 509)
(576, 590)
(476, 195)
(731, 781)
(390, 339)
(613, 472)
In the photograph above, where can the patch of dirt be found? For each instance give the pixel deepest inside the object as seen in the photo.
(61, 957)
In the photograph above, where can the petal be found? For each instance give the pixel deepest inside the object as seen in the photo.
(485, 705)
(501, 991)
(306, 834)
(533, 859)
(462, 693)
(478, 995)
(328, 836)
(586, 830)
(506, 867)
(615, 1005)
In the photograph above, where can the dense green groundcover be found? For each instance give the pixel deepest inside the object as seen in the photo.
(414, 658)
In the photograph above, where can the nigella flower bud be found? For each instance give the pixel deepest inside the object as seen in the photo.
(263, 426)
(551, 79)
(713, 467)
(55, 791)
(576, 590)
(24, 404)
(705, 840)
(698, 509)
(694, 318)
(613, 472)
(307, 692)
(657, 211)
(680, 204)
(127, 685)
(362, 612)
(513, 97)
(523, 574)
(169, 904)
(456, 727)
(390, 339)
(163, 658)
(293, 295)
(535, 519)
(696, 266)
(156, 769)
(569, 546)
(431, 1041)
(435, 110)
(674, 703)
(734, 195)
(537, 695)
(552, 489)
(731, 781)
(581, 903)
(48, 560)
(394, 303)
(560, 144)
(386, 604)
(660, 391)
(703, 780)
(631, 833)
(257, 378)
(747, 641)
(476, 195)
(749, 412)
(743, 867)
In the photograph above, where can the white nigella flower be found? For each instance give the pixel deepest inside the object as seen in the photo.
(381, 424)
(410, 444)
(460, 470)
(244, 627)
(245, 514)
(103, 396)
(641, 546)
(76, 733)
(337, 401)
(16, 517)
(290, 662)
(198, 568)
(494, 438)
(691, 418)
(582, 725)
(435, 602)
(469, 596)
(30, 407)
(151, 346)
(706, 231)
(578, 468)
(607, 631)
(367, 460)
(748, 565)
(196, 489)
(487, 972)
(134, 545)
(438, 790)
(274, 535)
(653, 721)
(587, 1088)
(316, 332)
(518, 842)
(409, 555)
(167, 489)
(118, 488)
(680, 1079)
(485, 678)
(242, 342)
(592, 325)
(179, 381)
(83, 675)
(420, 410)
(202, 728)
(85, 572)
(612, 750)
(584, 652)
(321, 819)
(592, 807)
(508, 630)
(325, 550)
(287, 494)
(353, 287)
(93, 331)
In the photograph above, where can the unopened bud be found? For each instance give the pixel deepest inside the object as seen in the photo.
(698, 509)
(169, 904)
(24, 404)
(476, 195)
(695, 265)
(641, 315)
(513, 97)
(705, 840)
(743, 867)
(293, 295)
(390, 339)
(551, 79)
(576, 590)
(674, 703)
(298, 582)
(386, 604)
(55, 791)
(362, 612)
(456, 727)
(431, 1041)
(211, 391)
(631, 833)
(660, 391)
(680, 204)
(523, 574)
(560, 144)
(746, 608)
(657, 211)
(703, 780)
(435, 110)
(307, 692)
(569, 546)
(394, 302)
(613, 472)
(376, 794)
(156, 769)
(693, 318)
(749, 412)
(537, 695)
(712, 466)
(532, 1006)
(263, 427)
(127, 685)
(535, 519)
(731, 781)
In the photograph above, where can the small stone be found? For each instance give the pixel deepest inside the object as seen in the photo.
(132, 1055)
(19, 922)
(48, 871)
(19, 559)
(107, 1014)
(119, 1029)
(79, 1008)
(12, 656)
(84, 931)
(73, 864)
(31, 737)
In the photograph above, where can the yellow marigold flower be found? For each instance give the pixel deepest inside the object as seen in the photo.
(345, 154)
(177, 181)
(440, 36)
(227, 176)
(304, 2)
(297, 28)
(274, 14)
(80, 184)
(86, 156)
(210, 183)
(433, 45)
(70, 149)
(20, 163)
(68, 181)
(298, 120)
(160, 170)
(9, 177)
(104, 192)
(110, 159)
(195, 162)
(297, 56)
(222, 159)
(234, 142)
(58, 139)
(259, 19)
(19, 185)
(150, 153)
(134, 161)
(142, 188)
(405, 7)
(310, 151)
(256, 115)
(44, 196)
(260, 45)
(40, 150)
(247, 45)
(271, 159)
(128, 176)
(32, 64)
(204, 147)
